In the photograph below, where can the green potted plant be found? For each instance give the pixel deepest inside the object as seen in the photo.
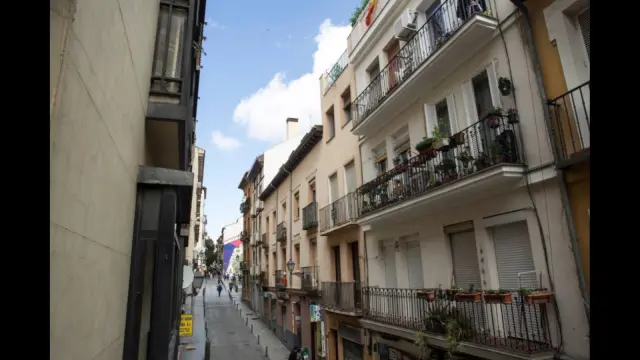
(512, 116)
(464, 158)
(441, 140)
(425, 145)
(494, 116)
(496, 152)
(448, 169)
(499, 296)
(469, 295)
(481, 162)
(536, 296)
(450, 294)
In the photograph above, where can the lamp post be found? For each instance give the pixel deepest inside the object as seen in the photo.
(290, 266)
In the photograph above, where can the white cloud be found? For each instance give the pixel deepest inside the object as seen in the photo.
(224, 142)
(264, 112)
(214, 24)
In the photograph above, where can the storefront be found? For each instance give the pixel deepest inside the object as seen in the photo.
(388, 353)
(352, 342)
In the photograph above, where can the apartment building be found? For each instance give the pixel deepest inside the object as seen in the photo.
(459, 191)
(196, 228)
(124, 89)
(341, 247)
(291, 258)
(247, 261)
(254, 177)
(561, 33)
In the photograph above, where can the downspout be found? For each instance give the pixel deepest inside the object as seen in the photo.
(531, 47)
(290, 225)
(276, 224)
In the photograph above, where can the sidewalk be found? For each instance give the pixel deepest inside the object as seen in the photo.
(277, 350)
(192, 347)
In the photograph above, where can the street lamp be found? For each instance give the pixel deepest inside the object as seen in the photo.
(290, 265)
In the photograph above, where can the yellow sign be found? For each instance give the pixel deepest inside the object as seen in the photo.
(186, 325)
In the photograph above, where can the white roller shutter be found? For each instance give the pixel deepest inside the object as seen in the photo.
(466, 272)
(414, 262)
(390, 266)
(492, 77)
(471, 109)
(430, 118)
(513, 257)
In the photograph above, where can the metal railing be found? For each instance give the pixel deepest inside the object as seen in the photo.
(339, 212)
(571, 119)
(342, 296)
(310, 216)
(309, 278)
(280, 281)
(245, 206)
(488, 142)
(331, 75)
(436, 31)
(515, 326)
(281, 232)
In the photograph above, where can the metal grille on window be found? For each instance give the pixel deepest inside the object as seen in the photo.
(584, 20)
(167, 63)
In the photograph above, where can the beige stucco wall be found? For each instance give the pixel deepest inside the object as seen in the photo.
(100, 63)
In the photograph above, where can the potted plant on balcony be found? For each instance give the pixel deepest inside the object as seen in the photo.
(499, 296)
(441, 140)
(536, 296)
(425, 147)
(494, 116)
(450, 294)
(496, 152)
(447, 169)
(512, 116)
(481, 162)
(469, 295)
(427, 294)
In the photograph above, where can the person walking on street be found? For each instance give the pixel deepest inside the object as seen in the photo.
(219, 288)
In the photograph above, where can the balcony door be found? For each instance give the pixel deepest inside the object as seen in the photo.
(333, 197)
(466, 270)
(350, 186)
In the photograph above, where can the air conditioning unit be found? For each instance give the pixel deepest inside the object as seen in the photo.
(406, 25)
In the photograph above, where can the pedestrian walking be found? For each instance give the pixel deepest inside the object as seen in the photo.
(219, 288)
(294, 355)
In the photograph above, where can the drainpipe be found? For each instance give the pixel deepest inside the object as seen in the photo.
(290, 226)
(276, 223)
(573, 237)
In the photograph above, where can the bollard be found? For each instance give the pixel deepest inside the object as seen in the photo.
(266, 351)
(252, 330)
(246, 321)
(258, 339)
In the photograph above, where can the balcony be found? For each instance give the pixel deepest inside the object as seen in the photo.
(245, 206)
(339, 214)
(481, 160)
(280, 280)
(571, 122)
(281, 232)
(440, 46)
(515, 328)
(310, 216)
(330, 76)
(344, 297)
(310, 278)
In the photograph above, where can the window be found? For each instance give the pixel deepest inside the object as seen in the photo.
(346, 105)
(284, 211)
(267, 222)
(331, 124)
(275, 223)
(296, 206)
(167, 62)
(296, 256)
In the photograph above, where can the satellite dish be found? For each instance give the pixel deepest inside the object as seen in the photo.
(187, 276)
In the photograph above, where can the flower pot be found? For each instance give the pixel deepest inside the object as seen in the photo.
(430, 296)
(442, 144)
(497, 298)
(451, 293)
(458, 139)
(539, 297)
(475, 297)
(429, 153)
(493, 121)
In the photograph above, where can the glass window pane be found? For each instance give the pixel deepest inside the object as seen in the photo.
(169, 46)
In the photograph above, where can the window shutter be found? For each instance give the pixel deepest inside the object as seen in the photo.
(430, 118)
(584, 20)
(492, 75)
(469, 103)
(453, 120)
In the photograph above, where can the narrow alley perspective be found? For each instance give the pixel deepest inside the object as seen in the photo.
(320, 180)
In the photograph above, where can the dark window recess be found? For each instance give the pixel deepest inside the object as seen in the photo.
(170, 39)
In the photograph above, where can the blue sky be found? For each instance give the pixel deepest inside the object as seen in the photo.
(263, 62)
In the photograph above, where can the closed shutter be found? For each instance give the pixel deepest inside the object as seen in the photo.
(430, 118)
(414, 261)
(466, 272)
(492, 77)
(474, 142)
(584, 21)
(390, 266)
(350, 184)
(513, 257)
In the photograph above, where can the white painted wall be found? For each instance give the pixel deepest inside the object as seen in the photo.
(276, 156)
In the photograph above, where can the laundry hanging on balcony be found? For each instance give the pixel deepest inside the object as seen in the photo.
(466, 8)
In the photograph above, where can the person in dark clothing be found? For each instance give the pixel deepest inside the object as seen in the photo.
(219, 288)
(294, 353)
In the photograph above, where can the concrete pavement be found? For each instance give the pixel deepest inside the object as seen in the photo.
(229, 323)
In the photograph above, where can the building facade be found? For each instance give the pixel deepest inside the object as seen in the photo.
(197, 227)
(123, 92)
(291, 263)
(459, 192)
(247, 261)
(341, 247)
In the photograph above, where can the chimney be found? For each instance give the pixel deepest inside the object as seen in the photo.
(292, 128)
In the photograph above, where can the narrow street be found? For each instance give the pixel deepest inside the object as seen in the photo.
(229, 329)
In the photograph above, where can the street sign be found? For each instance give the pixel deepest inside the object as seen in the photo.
(186, 325)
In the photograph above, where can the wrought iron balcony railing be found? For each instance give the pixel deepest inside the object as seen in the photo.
(333, 74)
(342, 296)
(339, 212)
(310, 216)
(571, 119)
(513, 325)
(245, 206)
(280, 280)
(281, 232)
(488, 142)
(436, 31)
(310, 278)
